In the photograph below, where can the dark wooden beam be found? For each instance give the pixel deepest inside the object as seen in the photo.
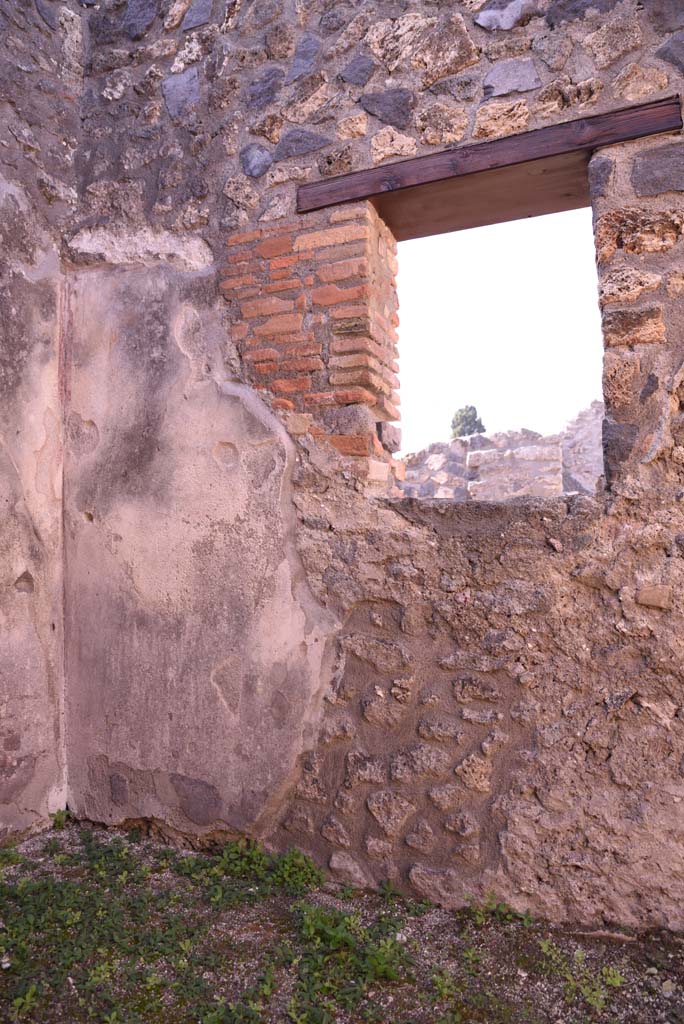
(532, 189)
(582, 136)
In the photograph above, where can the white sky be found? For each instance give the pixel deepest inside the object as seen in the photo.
(505, 318)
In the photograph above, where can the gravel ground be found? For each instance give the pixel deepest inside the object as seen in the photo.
(107, 926)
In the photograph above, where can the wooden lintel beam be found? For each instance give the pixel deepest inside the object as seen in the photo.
(582, 135)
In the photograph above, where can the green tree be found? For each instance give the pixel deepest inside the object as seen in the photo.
(466, 421)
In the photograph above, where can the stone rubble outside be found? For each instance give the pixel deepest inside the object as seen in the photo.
(511, 464)
(218, 615)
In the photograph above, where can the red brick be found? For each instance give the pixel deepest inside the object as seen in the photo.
(343, 270)
(282, 261)
(345, 396)
(239, 281)
(351, 444)
(266, 369)
(260, 355)
(265, 307)
(345, 251)
(240, 237)
(282, 324)
(277, 246)
(330, 236)
(361, 376)
(388, 407)
(239, 331)
(283, 403)
(342, 312)
(352, 343)
(305, 364)
(307, 348)
(354, 360)
(286, 285)
(331, 295)
(291, 386)
(344, 213)
(282, 341)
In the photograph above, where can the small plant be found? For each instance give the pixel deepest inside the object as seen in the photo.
(296, 873)
(60, 818)
(472, 959)
(9, 856)
(492, 909)
(23, 1005)
(444, 985)
(578, 979)
(388, 891)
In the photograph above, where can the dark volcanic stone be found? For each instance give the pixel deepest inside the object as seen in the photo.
(103, 28)
(659, 170)
(391, 107)
(181, 92)
(463, 87)
(305, 56)
(138, 17)
(358, 71)
(334, 19)
(297, 142)
(673, 51)
(573, 10)
(665, 15)
(618, 442)
(649, 388)
(47, 13)
(198, 14)
(255, 159)
(600, 171)
(264, 90)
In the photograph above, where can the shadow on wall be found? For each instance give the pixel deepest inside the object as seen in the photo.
(513, 464)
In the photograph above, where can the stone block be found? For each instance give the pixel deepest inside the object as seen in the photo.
(393, 106)
(299, 141)
(255, 159)
(358, 71)
(503, 15)
(659, 170)
(182, 92)
(673, 51)
(441, 125)
(600, 174)
(390, 143)
(198, 14)
(634, 326)
(264, 89)
(562, 11)
(347, 870)
(305, 56)
(637, 81)
(138, 17)
(501, 117)
(665, 15)
(390, 810)
(509, 76)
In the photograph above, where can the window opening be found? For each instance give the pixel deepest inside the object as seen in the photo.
(504, 318)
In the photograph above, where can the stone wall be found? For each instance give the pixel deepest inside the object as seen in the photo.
(511, 464)
(260, 637)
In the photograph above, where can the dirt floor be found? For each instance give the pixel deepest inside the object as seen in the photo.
(113, 927)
